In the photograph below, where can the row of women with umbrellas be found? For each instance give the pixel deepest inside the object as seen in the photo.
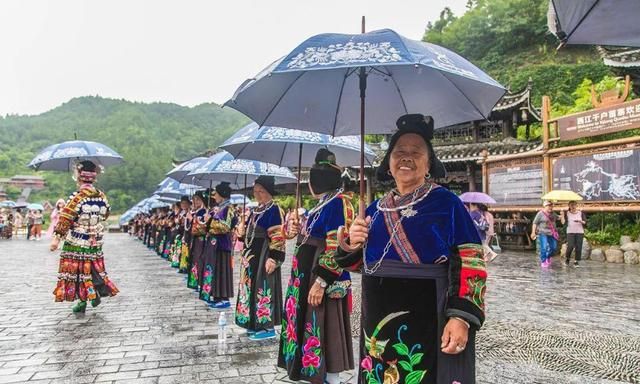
(417, 248)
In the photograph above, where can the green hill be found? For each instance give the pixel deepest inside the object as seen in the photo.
(148, 136)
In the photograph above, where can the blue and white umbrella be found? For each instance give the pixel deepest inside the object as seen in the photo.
(237, 199)
(239, 173)
(7, 204)
(171, 188)
(326, 83)
(35, 206)
(322, 84)
(292, 147)
(180, 172)
(61, 157)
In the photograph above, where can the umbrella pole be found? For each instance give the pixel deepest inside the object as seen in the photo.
(362, 76)
(298, 184)
(244, 201)
(296, 217)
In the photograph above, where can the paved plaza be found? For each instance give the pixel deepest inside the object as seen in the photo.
(557, 326)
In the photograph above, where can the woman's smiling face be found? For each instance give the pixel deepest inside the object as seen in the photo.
(409, 160)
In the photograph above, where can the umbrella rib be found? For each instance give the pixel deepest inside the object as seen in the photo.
(280, 98)
(581, 20)
(284, 150)
(465, 96)
(398, 89)
(335, 120)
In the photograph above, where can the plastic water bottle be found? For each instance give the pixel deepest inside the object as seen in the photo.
(222, 325)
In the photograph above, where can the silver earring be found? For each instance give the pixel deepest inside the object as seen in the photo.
(428, 176)
(389, 172)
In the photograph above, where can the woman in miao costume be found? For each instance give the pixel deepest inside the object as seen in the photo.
(259, 305)
(217, 266)
(424, 276)
(81, 273)
(197, 225)
(315, 344)
(183, 237)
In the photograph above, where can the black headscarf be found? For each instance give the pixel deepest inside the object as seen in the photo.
(422, 126)
(325, 175)
(224, 189)
(268, 183)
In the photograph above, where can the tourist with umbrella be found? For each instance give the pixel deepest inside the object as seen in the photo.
(82, 274)
(477, 203)
(316, 331)
(575, 221)
(259, 305)
(424, 276)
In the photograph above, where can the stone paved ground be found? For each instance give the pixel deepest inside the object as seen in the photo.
(558, 326)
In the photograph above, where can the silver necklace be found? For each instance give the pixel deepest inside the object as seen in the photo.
(253, 222)
(316, 214)
(405, 211)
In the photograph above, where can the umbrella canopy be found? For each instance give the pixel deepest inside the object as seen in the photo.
(595, 22)
(35, 206)
(173, 189)
(477, 198)
(8, 204)
(292, 147)
(319, 85)
(180, 172)
(222, 167)
(60, 157)
(562, 195)
(237, 198)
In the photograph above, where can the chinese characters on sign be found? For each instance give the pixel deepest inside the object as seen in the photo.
(600, 121)
(518, 185)
(609, 176)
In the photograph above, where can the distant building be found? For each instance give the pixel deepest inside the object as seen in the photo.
(24, 181)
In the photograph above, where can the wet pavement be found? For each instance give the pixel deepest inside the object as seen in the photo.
(564, 325)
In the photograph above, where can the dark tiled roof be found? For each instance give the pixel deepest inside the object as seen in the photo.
(473, 151)
(518, 100)
(620, 57)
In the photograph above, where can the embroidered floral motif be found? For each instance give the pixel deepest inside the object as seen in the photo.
(263, 307)
(289, 333)
(473, 274)
(311, 351)
(349, 53)
(244, 293)
(207, 278)
(405, 365)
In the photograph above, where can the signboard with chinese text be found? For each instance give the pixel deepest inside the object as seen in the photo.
(600, 121)
(517, 185)
(608, 176)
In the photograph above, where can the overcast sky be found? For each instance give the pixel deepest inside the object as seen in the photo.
(182, 51)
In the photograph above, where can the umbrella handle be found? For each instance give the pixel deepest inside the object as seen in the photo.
(342, 241)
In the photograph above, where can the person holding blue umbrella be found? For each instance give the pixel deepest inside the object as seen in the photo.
(217, 264)
(82, 274)
(316, 330)
(259, 305)
(197, 225)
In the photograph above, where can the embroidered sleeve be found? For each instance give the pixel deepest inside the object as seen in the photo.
(327, 268)
(221, 227)
(351, 262)
(275, 233)
(198, 226)
(106, 204)
(68, 214)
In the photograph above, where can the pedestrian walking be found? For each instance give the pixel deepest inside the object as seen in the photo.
(489, 253)
(82, 275)
(544, 230)
(576, 220)
(36, 226)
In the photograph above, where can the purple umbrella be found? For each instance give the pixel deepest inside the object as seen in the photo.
(477, 198)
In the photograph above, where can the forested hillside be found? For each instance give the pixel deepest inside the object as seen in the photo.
(148, 136)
